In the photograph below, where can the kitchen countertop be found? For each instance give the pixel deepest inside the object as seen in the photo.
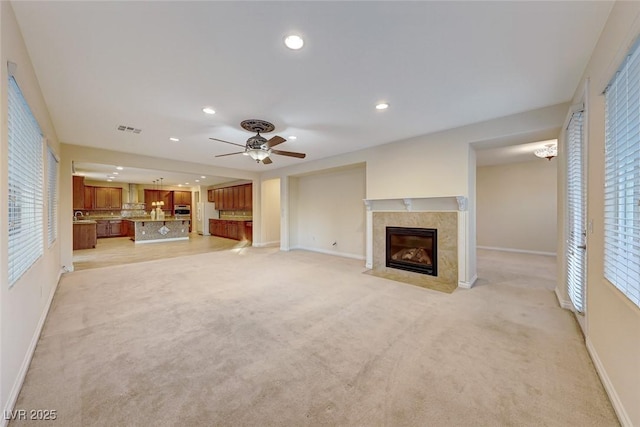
(166, 219)
(84, 221)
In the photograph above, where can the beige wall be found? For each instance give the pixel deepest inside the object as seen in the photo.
(330, 209)
(24, 306)
(612, 321)
(270, 213)
(516, 206)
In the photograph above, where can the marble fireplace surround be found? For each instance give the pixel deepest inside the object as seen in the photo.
(447, 214)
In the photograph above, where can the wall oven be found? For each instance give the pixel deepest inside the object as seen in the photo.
(182, 211)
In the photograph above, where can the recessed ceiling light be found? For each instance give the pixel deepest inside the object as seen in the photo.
(115, 173)
(209, 110)
(111, 177)
(119, 168)
(197, 180)
(179, 185)
(382, 106)
(174, 139)
(109, 180)
(203, 177)
(294, 42)
(293, 137)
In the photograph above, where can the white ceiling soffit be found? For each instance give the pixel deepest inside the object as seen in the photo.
(129, 175)
(154, 65)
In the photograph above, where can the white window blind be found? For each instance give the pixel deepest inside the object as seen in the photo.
(52, 196)
(576, 198)
(622, 178)
(25, 184)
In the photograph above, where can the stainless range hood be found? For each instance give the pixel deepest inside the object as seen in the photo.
(133, 193)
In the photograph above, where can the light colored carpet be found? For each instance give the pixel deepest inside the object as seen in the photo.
(258, 337)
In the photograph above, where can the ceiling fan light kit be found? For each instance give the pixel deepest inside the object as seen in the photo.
(548, 152)
(258, 147)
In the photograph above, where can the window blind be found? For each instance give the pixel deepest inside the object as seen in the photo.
(576, 201)
(52, 196)
(25, 182)
(622, 178)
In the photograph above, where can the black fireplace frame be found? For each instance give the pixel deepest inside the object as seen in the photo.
(431, 270)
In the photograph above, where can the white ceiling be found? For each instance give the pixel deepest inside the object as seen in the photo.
(440, 65)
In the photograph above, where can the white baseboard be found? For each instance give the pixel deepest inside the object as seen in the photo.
(22, 373)
(623, 417)
(566, 304)
(521, 251)
(266, 244)
(324, 251)
(468, 285)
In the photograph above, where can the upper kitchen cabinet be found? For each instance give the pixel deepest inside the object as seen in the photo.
(108, 198)
(78, 192)
(237, 197)
(89, 197)
(182, 197)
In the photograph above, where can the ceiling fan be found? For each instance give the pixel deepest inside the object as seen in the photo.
(258, 147)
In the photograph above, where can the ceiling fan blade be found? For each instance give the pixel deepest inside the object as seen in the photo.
(289, 153)
(266, 161)
(232, 143)
(275, 141)
(230, 154)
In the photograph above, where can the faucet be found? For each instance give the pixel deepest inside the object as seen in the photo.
(75, 215)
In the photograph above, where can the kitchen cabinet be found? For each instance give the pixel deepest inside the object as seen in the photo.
(84, 236)
(235, 198)
(165, 196)
(231, 229)
(109, 228)
(182, 198)
(248, 197)
(89, 197)
(78, 192)
(108, 198)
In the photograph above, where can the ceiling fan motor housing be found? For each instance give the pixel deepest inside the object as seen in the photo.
(257, 142)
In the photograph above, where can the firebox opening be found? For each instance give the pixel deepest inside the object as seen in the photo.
(412, 249)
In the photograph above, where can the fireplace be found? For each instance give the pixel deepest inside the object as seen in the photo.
(413, 249)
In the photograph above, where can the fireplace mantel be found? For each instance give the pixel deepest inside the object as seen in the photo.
(466, 249)
(412, 204)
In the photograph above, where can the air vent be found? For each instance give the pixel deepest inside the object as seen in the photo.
(130, 129)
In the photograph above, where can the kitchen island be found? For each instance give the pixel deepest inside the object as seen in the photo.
(158, 230)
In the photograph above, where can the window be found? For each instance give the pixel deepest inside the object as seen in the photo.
(576, 219)
(52, 196)
(25, 184)
(622, 178)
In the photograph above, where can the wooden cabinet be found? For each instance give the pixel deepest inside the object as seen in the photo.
(230, 229)
(109, 228)
(84, 236)
(78, 192)
(89, 197)
(165, 196)
(236, 198)
(248, 197)
(182, 198)
(108, 198)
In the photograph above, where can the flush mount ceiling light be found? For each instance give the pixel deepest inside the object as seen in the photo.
(174, 139)
(549, 151)
(293, 137)
(382, 106)
(209, 110)
(294, 42)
